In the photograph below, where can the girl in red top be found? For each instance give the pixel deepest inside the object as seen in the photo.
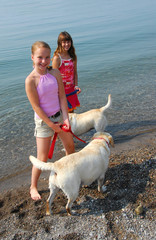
(65, 60)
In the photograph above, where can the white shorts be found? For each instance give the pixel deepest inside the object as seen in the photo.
(42, 129)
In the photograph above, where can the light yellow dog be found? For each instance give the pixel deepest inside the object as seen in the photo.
(94, 118)
(80, 168)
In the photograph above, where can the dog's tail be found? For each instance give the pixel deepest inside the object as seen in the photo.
(102, 109)
(42, 165)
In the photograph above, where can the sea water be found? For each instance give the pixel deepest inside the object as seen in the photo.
(115, 44)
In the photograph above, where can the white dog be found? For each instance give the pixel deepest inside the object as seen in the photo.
(83, 167)
(94, 118)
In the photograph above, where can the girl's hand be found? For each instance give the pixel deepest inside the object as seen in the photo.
(66, 124)
(77, 88)
(57, 127)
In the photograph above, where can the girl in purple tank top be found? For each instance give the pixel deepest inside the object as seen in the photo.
(65, 60)
(45, 91)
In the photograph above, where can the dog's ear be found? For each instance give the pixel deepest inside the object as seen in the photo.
(111, 141)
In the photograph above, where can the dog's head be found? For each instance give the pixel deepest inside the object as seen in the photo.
(105, 136)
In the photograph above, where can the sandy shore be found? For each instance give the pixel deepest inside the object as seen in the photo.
(130, 182)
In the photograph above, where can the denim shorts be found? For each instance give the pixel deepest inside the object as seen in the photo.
(42, 129)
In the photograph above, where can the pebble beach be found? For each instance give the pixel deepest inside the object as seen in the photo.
(125, 211)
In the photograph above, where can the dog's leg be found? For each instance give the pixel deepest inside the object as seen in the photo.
(101, 187)
(53, 191)
(100, 124)
(71, 199)
(68, 211)
(69, 205)
(47, 208)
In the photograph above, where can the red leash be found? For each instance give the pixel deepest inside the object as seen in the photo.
(50, 154)
(55, 137)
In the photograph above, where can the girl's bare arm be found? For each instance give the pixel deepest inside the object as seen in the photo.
(62, 97)
(56, 62)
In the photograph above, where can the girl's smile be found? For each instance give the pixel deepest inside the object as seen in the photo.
(41, 59)
(66, 45)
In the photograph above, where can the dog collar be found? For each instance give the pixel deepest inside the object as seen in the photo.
(103, 139)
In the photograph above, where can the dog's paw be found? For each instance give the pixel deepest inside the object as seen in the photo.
(68, 211)
(84, 186)
(48, 213)
(104, 188)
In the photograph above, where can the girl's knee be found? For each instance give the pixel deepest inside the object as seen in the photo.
(70, 147)
(68, 142)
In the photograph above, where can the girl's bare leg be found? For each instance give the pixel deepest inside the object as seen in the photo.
(68, 142)
(43, 145)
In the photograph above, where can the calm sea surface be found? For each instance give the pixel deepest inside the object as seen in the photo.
(115, 43)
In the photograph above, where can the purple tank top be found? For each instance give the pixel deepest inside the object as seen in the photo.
(48, 94)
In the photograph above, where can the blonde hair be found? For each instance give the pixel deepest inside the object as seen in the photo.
(65, 36)
(39, 44)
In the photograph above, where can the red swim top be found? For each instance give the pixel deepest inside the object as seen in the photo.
(67, 72)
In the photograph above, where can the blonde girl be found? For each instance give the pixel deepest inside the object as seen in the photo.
(45, 91)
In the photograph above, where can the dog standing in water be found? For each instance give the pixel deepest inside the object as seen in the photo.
(94, 118)
(80, 168)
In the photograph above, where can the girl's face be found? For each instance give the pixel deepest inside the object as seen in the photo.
(66, 45)
(41, 59)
